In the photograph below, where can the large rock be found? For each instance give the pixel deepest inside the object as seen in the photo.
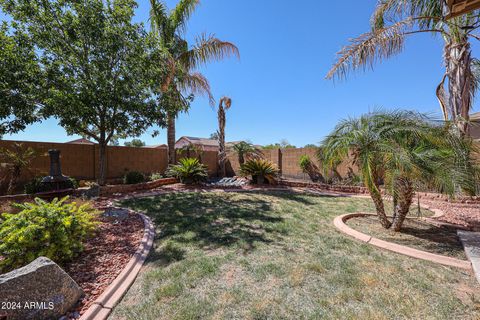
(40, 290)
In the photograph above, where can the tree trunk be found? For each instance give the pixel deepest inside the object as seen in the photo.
(241, 159)
(380, 208)
(103, 163)
(461, 82)
(404, 190)
(14, 175)
(221, 141)
(171, 138)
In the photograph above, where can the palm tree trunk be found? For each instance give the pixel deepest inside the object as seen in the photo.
(241, 159)
(380, 208)
(171, 138)
(404, 191)
(461, 83)
(221, 141)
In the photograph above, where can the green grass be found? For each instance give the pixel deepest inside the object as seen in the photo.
(278, 256)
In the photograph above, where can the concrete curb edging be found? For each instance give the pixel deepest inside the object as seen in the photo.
(103, 306)
(339, 223)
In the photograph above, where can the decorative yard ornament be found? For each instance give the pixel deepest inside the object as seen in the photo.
(56, 180)
(458, 7)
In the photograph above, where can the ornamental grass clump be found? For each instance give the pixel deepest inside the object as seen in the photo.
(54, 229)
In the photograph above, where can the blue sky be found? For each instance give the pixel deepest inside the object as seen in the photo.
(278, 87)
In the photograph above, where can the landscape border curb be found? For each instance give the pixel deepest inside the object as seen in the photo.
(339, 223)
(104, 304)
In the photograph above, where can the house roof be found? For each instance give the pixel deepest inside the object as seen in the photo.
(459, 7)
(157, 146)
(475, 116)
(200, 141)
(81, 141)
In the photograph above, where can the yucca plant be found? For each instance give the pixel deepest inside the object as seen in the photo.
(188, 171)
(259, 170)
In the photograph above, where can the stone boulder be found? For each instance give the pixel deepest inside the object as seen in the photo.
(39, 290)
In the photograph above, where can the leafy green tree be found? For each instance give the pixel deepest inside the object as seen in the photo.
(402, 149)
(311, 146)
(283, 144)
(393, 21)
(135, 143)
(99, 66)
(183, 81)
(20, 79)
(214, 136)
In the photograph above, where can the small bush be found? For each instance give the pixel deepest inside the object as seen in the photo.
(35, 185)
(259, 169)
(188, 171)
(54, 229)
(156, 176)
(133, 177)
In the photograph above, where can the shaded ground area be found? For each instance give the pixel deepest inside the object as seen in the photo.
(277, 255)
(416, 234)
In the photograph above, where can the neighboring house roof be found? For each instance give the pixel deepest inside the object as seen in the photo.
(199, 141)
(157, 146)
(81, 141)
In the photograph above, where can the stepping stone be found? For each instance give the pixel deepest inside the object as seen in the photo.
(471, 244)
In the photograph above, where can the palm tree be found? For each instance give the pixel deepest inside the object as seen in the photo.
(393, 21)
(182, 81)
(224, 104)
(17, 158)
(402, 149)
(245, 151)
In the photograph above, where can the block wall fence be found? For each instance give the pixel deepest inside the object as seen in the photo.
(81, 161)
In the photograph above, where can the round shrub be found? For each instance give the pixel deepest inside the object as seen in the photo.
(133, 177)
(54, 229)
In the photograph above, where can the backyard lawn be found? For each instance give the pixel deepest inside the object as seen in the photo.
(277, 255)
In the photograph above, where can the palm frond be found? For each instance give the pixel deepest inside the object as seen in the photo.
(206, 49)
(181, 13)
(370, 47)
(158, 16)
(197, 83)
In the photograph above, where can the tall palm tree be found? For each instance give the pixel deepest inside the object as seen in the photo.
(393, 21)
(224, 104)
(246, 150)
(182, 82)
(402, 149)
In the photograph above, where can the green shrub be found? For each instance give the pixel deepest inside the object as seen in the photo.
(54, 229)
(259, 169)
(188, 171)
(156, 176)
(133, 177)
(35, 186)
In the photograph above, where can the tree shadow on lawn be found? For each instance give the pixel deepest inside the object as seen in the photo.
(210, 221)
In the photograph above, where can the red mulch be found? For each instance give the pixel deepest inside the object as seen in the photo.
(104, 257)
(463, 214)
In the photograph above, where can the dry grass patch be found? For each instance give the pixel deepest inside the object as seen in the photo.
(278, 256)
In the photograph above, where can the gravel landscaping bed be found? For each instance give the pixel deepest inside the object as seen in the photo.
(463, 214)
(104, 257)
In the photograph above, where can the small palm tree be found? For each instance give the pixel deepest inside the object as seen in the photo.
(400, 149)
(393, 21)
(183, 81)
(17, 158)
(190, 150)
(224, 104)
(245, 151)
